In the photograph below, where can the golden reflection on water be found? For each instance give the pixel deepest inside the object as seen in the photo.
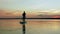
(33, 26)
(53, 25)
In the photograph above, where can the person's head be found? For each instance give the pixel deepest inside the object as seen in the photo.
(24, 11)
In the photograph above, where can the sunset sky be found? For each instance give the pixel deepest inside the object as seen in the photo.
(33, 8)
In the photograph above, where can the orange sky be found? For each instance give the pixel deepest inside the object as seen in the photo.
(30, 14)
(15, 13)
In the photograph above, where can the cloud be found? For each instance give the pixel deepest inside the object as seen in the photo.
(9, 14)
(48, 12)
(30, 14)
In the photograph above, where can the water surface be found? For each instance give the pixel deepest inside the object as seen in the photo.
(33, 26)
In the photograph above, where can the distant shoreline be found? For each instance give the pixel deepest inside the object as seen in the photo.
(30, 18)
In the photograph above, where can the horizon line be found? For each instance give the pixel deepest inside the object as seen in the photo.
(30, 18)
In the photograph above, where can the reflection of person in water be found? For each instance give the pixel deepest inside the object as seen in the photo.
(23, 29)
(24, 16)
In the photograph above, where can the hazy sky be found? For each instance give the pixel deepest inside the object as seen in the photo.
(33, 7)
(29, 4)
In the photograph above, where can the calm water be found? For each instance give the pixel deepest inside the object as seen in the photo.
(37, 26)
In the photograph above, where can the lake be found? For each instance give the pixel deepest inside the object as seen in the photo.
(33, 26)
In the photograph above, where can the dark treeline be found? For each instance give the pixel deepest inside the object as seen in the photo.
(30, 18)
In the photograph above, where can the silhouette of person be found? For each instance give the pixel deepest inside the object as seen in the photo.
(24, 16)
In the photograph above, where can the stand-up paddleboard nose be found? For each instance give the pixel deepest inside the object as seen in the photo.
(22, 22)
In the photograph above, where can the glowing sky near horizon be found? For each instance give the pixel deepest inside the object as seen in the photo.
(29, 4)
